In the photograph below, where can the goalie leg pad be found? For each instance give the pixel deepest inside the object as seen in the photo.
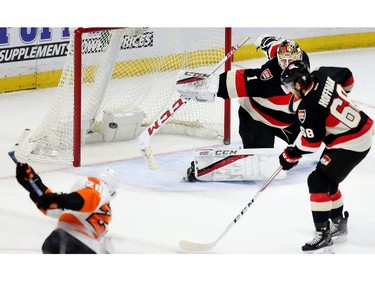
(236, 165)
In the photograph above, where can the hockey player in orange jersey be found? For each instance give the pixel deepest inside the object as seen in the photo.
(83, 214)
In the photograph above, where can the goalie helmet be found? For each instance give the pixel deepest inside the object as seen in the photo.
(287, 52)
(297, 71)
(109, 179)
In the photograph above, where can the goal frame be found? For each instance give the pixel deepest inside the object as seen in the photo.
(78, 33)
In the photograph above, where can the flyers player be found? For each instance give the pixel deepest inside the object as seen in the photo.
(83, 214)
(326, 116)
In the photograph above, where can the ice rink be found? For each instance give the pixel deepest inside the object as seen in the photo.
(154, 210)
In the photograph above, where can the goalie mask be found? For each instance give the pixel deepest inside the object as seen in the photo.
(109, 179)
(287, 52)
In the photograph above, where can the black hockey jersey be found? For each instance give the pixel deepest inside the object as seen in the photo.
(261, 93)
(327, 115)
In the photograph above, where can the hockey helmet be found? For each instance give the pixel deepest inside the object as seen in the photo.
(109, 179)
(287, 52)
(296, 71)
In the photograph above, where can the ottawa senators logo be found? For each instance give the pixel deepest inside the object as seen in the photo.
(325, 160)
(301, 115)
(266, 75)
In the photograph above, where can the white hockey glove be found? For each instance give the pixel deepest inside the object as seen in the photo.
(203, 90)
(266, 42)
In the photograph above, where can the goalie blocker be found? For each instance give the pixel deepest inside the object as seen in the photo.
(234, 165)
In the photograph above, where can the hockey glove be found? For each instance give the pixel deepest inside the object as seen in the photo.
(24, 173)
(51, 201)
(287, 162)
(268, 44)
(201, 90)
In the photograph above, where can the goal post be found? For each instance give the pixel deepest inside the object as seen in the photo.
(117, 80)
(78, 33)
(227, 103)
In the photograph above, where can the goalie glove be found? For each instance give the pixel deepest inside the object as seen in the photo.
(286, 161)
(199, 89)
(268, 44)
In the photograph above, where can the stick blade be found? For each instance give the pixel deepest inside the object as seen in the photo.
(149, 157)
(12, 152)
(195, 247)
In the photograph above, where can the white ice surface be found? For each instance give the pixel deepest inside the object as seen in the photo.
(154, 210)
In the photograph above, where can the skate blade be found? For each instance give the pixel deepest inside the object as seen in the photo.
(324, 250)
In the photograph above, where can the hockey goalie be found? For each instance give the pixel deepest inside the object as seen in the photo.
(225, 164)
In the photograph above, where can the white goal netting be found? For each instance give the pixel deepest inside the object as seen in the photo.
(129, 70)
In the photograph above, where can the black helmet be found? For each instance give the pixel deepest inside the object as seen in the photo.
(296, 71)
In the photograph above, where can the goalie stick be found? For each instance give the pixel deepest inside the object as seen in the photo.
(12, 155)
(145, 137)
(198, 247)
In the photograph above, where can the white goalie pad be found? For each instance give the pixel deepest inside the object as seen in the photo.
(236, 164)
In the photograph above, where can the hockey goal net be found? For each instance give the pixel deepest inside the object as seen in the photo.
(127, 71)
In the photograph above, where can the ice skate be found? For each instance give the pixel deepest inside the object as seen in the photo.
(190, 173)
(320, 244)
(339, 229)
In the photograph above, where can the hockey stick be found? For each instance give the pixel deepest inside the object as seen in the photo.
(232, 156)
(145, 137)
(15, 160)
(198, 247)
(219, 164)
(229, 156)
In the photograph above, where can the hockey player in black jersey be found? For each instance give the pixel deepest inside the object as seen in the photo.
(326, 116)
(266, 110)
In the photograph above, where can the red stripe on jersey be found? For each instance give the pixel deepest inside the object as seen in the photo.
(270, 119)
(281, 100)
(240, 83)
(335, 196)
(273, 50)
(348, 82)
(319, 197)
(332, 121)
(306, 143)
(350, 137)
(222, 163)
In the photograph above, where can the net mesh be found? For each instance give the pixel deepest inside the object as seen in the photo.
(127, 71)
